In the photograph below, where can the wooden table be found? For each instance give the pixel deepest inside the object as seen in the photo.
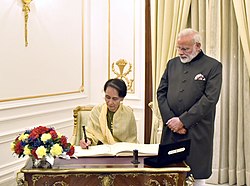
(104, 171)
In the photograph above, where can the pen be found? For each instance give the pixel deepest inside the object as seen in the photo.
(85, 136)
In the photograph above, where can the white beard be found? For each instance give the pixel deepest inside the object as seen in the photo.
(188, 58)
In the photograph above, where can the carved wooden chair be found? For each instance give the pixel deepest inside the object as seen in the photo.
(81, 115)
(157, 124)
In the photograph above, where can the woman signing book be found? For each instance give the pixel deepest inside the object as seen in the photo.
(112, 121)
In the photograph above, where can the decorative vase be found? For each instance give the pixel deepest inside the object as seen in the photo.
(40, 163)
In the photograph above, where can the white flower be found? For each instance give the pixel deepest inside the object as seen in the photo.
(45, 137)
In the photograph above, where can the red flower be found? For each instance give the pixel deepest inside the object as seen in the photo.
(33, 152)
(64, 141)
(33, 135)
(41, 130)
(36, 132)
(18, 148)
(53, 134)
(71, 151)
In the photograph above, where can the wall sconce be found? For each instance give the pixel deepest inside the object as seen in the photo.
(26, 10)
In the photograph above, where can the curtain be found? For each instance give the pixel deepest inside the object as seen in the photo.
(224, 27)
(242, 11)
(168, 17)
(231, 148)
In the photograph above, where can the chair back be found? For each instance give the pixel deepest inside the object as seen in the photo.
(81, 116)
(157, 124)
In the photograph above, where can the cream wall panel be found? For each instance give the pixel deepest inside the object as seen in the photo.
(98, 50)
(12, 119)
(122, 40)
(97, 32)
(8, 172)
(127, 42)
(55, 38)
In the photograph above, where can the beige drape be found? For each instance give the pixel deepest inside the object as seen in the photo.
(242, 11)
(167, 19)
(224, 26)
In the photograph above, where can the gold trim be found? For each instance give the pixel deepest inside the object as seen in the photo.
(62, 183)
(38, 96)
(82, 86)
(37, 177)
(108, 39)
(26, 10)
(152, 182)
(189, 180)
(75, 116)
(92, 169)
(133, 89)
(20, 179)
(109, 170)
(174, 177)
(107, 180)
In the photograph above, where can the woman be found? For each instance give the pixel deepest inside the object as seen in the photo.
(112, 121)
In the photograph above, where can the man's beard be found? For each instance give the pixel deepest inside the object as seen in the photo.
(189, 57)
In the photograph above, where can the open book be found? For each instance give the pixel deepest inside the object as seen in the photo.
(118, 149)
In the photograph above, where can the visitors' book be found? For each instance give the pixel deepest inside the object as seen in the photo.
(117, 149)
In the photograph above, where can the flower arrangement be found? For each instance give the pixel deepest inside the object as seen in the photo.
(41, 142)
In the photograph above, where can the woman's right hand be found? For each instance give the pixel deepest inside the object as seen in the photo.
(85, 145)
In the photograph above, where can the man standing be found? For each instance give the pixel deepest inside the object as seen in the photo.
(187, 97)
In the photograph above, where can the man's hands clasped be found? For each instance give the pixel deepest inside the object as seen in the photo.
(175, 125)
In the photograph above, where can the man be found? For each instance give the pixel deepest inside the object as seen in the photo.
(187, 97)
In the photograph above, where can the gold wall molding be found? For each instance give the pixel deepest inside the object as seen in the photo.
(40, 96)
(26, 10)
(122, 63)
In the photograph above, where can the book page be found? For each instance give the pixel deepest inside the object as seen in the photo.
(126, 149)
(118, 149)
(94, 151)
